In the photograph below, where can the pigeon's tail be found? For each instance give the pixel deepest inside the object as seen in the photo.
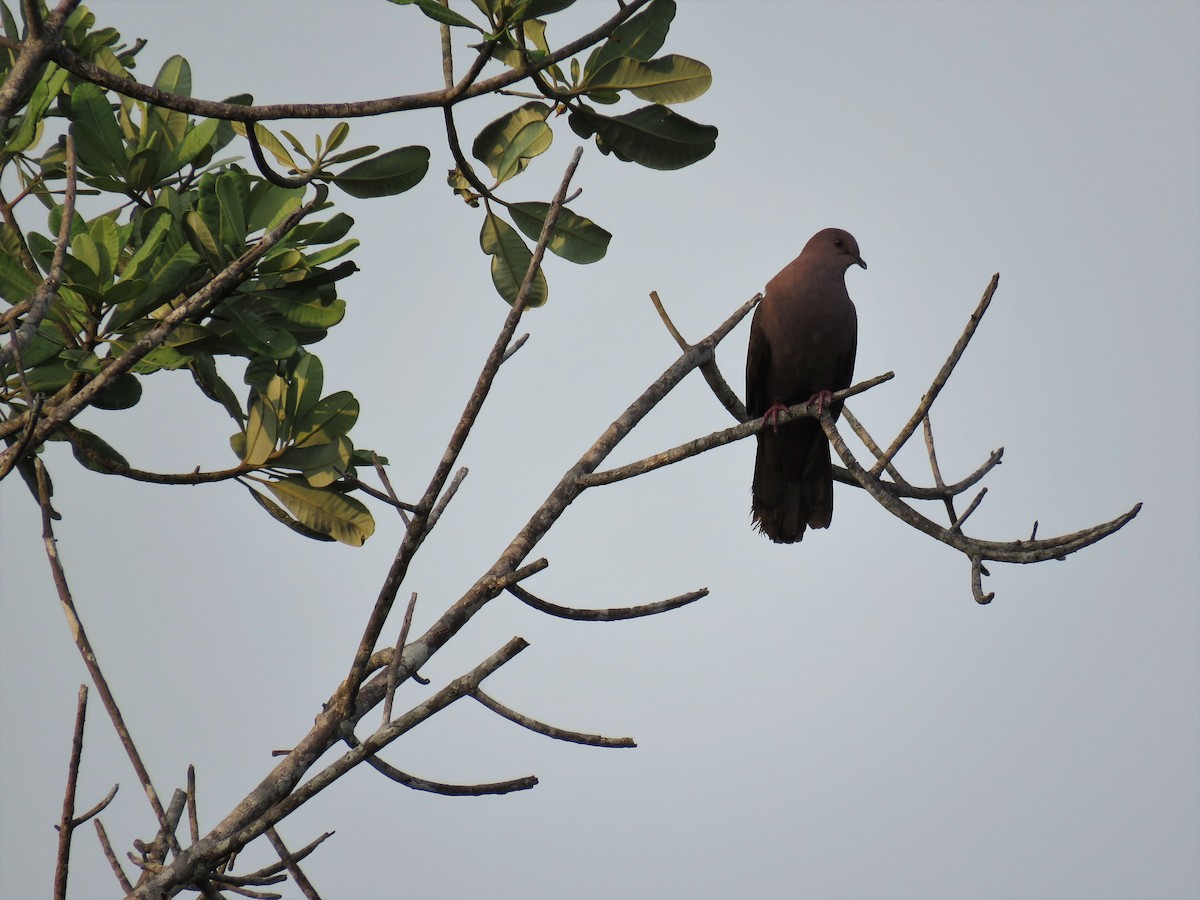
(793, 481)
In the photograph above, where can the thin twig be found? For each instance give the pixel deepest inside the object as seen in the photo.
(446, 497)
(66, 822)
(559, 734)
(716, 381)
(394, 668)
(89, 657)
(863, 435)
(977, 583)
(716, 439)
(193, 815)
(958, 523)
(415, 783)
(415, 534)
(293, 866)
(927, 426)
(613, 614)
(940, 379)
(113, 862)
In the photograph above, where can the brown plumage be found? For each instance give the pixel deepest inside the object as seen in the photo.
(802, 343)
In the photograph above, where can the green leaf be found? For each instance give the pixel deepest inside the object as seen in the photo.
(575, 238)
(307, 381)
(175, 77)
(142, 171)
(534, 9)
(637, 38)
(268, 203)
(213, 386)
(330, 417)
(196, 139)
(202, 240)
(259, 337)
(440, 13)
(507, 144)
(48, 377)
(270, 143)
(106, 235)
(337, 136)
(262, 432)
(15, 283)
(122, 392)
(327, 512)
(85, 445)
(97, 136)
(389, 173)
(232, 195)
(331, 253)
(668, 79)
(280, 515)
(510, 262)
(322, 464)
(83, 249)
(652, 136)
(43, 95)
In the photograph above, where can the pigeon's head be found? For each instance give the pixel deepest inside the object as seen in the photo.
(836, 246)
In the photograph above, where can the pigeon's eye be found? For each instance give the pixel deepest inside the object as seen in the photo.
(838, 243)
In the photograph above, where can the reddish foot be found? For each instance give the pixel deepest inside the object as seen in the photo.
(822, 399)
(771, 416)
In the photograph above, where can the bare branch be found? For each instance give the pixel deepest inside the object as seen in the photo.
(515, 346)
(66, 822)
(114, 863)
(1023, 552)
(446, 497)
(89, 657)
(464, 89)
(977, 583)
(613, 614)
(716, 381)
(446, 790)
(394, 668)
(277, 796)
(193, 814)
(293, 866)
(298, 856)
(559, 734)
(716, 439)
(958, 523)
(863, 435)
(98, 808)
(415, 534)
(940, 379)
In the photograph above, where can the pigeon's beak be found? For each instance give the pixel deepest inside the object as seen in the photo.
(858, 260)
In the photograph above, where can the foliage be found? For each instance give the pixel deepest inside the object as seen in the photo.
(167, 215)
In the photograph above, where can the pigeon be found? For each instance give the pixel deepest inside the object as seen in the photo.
(802, 343)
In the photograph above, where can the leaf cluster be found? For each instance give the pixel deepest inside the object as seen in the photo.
(167, 215)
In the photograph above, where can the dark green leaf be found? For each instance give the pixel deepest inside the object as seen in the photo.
(652, 136)
(85, 446)
(575, 238)
(97, 135)
(15, 283)
(122, 392)
(510, 262)
(389, 173)
(439, 13)
(175, 77)
(204, 371)
(331, 417)
(259, 337)
(638, 38)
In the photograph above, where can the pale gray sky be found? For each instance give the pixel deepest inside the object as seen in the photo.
(839, 718)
